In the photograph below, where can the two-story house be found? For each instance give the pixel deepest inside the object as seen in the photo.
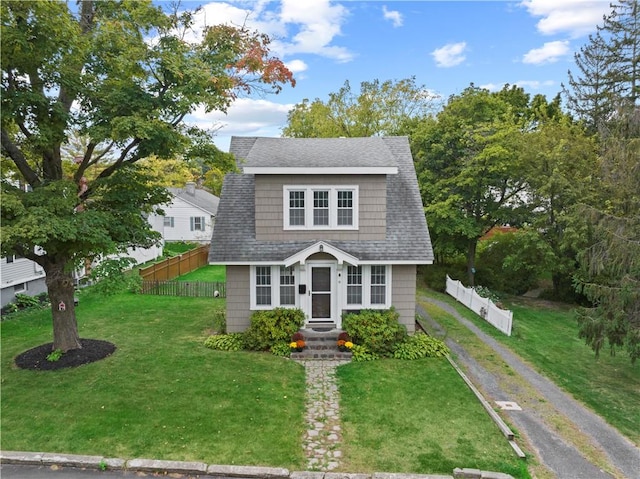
(190, 215)
(327, 225)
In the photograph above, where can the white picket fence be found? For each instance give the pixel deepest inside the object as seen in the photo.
(501, 319)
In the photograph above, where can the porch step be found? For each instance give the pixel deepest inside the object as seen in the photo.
(321, 345)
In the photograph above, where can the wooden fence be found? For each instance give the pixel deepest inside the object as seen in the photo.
(171, 268)
(501, 319)
(193, 289)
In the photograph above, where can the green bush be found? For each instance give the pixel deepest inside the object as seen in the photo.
(281, 349)
(112, 277)
(24, 301)
(361, 353)
(225, 342)
(419, 346)
(270, 327)
(378, 330)
(220, 321)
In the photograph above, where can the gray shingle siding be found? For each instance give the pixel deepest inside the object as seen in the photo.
(407, 236)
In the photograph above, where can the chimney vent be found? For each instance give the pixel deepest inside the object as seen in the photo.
(190, 187)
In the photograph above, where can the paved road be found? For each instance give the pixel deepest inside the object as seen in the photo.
(11, 471)
(535, 422)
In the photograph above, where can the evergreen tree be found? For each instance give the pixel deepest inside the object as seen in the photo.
(608, 67)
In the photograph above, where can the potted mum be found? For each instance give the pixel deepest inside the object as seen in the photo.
(344, 342)
(297, 343)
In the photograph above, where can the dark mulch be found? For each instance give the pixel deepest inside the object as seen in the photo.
(92, 350)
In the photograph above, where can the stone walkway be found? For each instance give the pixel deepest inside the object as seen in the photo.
(322, 439)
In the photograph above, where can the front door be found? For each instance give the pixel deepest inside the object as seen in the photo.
(322, 293)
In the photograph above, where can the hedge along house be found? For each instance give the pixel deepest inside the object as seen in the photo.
(327, 225)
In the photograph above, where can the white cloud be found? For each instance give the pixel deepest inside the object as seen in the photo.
(526, 84)
(318, 22)
(297, 27)
(393, 15)
(449, 55)
(550, 52)
(573, 17)
(245, 117)
(296, 66)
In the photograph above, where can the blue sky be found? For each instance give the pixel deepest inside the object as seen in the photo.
(446, 45)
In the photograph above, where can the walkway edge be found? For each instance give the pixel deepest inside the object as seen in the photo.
(212, 470)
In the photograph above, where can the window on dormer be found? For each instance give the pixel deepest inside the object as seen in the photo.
(320, 207)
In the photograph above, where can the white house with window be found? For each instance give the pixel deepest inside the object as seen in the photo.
(327, 225)
(190, 215)
(20, 276)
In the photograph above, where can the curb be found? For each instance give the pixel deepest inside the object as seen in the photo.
(213, 470)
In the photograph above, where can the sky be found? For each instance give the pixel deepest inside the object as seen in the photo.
(445, 45)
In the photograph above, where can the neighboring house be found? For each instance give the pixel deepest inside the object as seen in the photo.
(190, 215)
(20, 275)
(327, 225)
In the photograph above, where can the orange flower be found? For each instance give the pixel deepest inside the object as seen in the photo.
(300, 343)
(341, 342)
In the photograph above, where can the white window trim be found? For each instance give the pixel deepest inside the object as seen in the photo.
(308, 206)
(170, 220)
(366, 288)
(275, 288)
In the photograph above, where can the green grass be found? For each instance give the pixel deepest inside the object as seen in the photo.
(211, 273)
(417, 417)
(162, 394)
(546, 336)
(173, 248)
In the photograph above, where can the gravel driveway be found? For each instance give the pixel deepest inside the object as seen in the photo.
(544, 406)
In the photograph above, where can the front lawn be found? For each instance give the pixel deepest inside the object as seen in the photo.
(163, 395)
(160, 395)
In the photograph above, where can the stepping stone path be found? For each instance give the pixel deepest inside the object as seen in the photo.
(322, 439)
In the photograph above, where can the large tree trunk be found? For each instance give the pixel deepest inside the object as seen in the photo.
(471, 261)
(61, 295)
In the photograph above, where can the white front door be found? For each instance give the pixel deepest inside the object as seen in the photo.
(322, 292)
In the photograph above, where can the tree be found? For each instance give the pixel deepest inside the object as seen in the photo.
(380, 108)
(610, 264)
(125, 75)
(470, 168)
(562, 161)
(609, 67)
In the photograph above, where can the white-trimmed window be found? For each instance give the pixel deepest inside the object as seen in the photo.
(368, 286)
(197, 223)
(20, 288)
(263, 285)
(320, 207)
(273, 286)
(354, 285)
(168, 222)
(287, 286)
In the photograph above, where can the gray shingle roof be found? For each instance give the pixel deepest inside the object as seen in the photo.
(200, 198)
(318, 152)
(407, 238)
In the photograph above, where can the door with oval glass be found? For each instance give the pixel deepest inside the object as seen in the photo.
(322, 292)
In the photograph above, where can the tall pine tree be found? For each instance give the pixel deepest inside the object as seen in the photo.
(608, 66)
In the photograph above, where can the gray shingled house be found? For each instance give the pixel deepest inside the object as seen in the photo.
(327, 225)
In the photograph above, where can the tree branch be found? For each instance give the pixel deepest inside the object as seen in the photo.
(19, 159)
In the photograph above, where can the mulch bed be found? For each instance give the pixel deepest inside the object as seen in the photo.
(92, 350)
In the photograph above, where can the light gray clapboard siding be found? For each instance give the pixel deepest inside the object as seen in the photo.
(238, 299)
(403, 295)
(372, 212)
(20, 271)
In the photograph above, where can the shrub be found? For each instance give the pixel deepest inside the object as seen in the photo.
(24, 301)
(225, 342)
(270, 327)
(378, 330)
(361, 353)
(419, 346)
(112, 277)
(220, 321)
(281, 349)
